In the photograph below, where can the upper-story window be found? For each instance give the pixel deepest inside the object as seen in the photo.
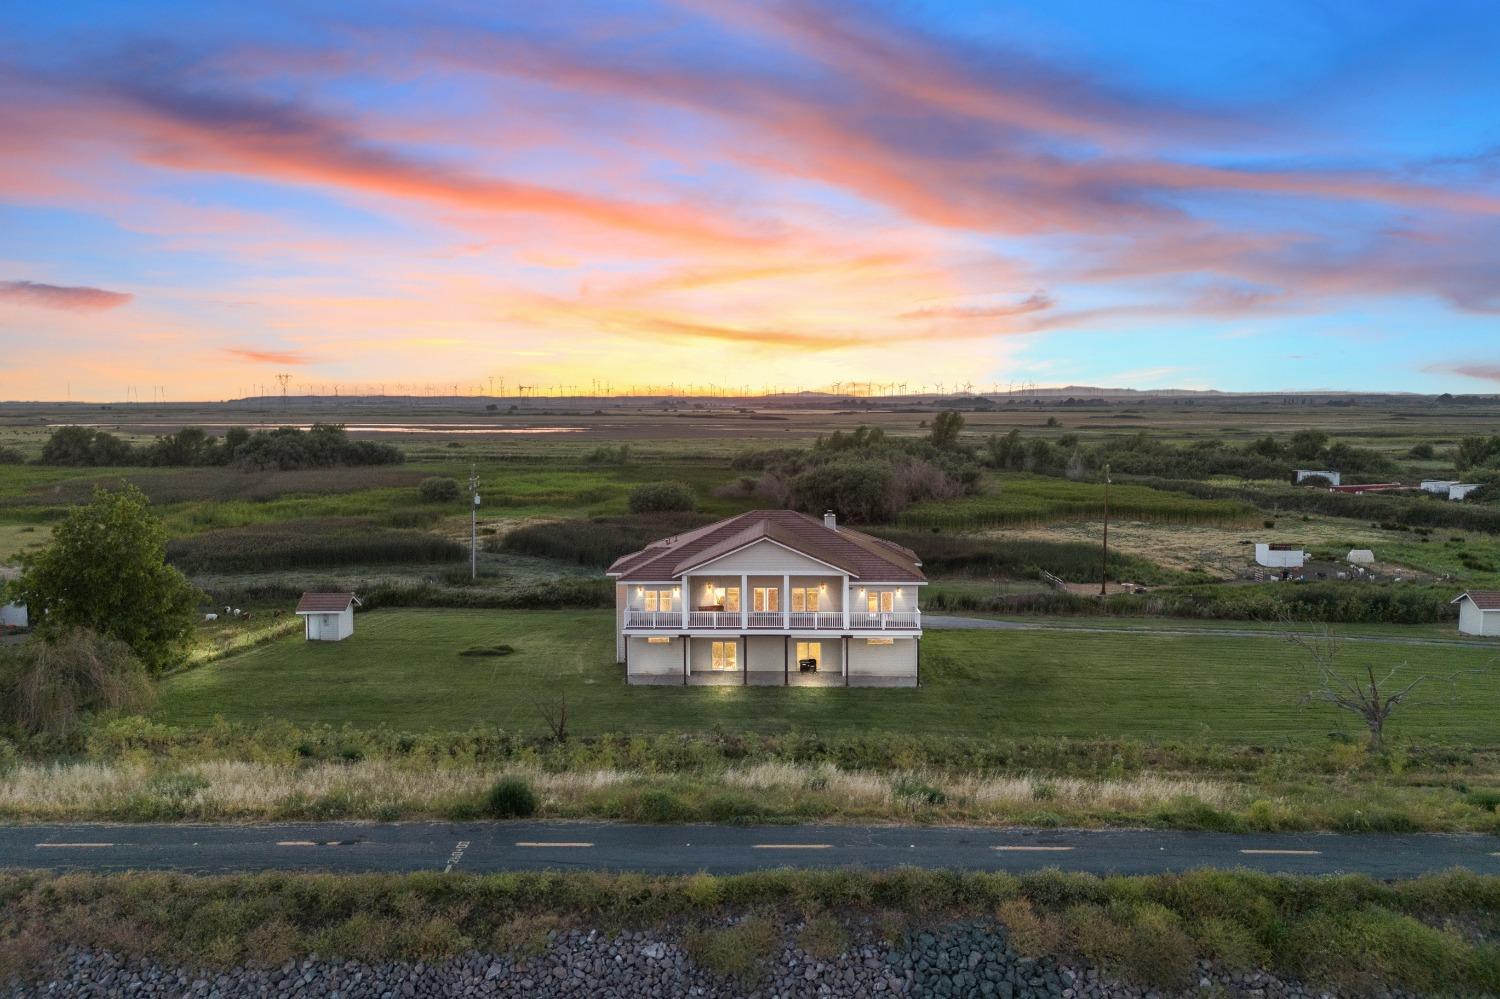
(765, 598)
(805, 598)
(880, 601)
(656, 600)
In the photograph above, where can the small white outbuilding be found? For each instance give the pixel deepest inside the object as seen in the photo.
(1303, 474)
(1461, 490)
(1279, 556)
(12, 615)
(1438, 487)
(327, 617)
(1361, 556)
(1479, 613)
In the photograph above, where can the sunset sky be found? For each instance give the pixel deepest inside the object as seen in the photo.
(1287, 194)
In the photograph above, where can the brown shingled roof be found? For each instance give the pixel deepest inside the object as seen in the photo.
(1483, 599)
(858, 554)
(325, 603)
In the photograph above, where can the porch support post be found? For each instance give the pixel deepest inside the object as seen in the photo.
(786, 660)
(687, 644)
(919, 662)
(745, 654)
(846, 660)
(687, 599)
(744, 599)
(846, 603)
(786, 600)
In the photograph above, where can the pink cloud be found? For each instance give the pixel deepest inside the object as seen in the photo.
(64, 297)
(256, 356)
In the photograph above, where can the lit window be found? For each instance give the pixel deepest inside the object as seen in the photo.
(880, 641)
(809, 650)
(658, 640)
(725, 655)
(887, 602)
(664, 600)
(805, 599)
(649, 601)
(732, 599)
(766, 598)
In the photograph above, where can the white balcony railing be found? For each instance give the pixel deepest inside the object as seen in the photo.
(764, 620)
(891, 620)
(818, 621)
(653, 619)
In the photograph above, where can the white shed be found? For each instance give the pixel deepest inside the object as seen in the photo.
(1361, 556)
(1461, 490)
(1323, 473)
(327, 617)
(12, 615)
(1479, 613)
(1279, 556)
(1438, 487)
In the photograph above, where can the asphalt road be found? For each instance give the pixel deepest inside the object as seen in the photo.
(511, 846)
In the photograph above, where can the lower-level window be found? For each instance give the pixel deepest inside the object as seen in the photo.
(726, 655)
(880, 641)
(809, 650)
(658, 640)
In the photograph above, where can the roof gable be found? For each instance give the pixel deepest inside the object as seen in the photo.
(843, 550)
(325, 603)
(1483, 599)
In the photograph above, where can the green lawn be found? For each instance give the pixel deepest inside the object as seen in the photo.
(402, 669)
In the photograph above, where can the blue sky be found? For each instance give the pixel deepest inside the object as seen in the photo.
(740, 194)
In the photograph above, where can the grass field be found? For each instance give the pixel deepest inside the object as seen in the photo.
(1016, 499)
(402, 669)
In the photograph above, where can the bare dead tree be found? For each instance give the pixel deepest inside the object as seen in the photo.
(1360, 690)
(555, 714)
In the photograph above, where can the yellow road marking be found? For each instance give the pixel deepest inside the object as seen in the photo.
(72, 846)
(1283, 853)
(1032, 849)
(545, 845)
(792, 846)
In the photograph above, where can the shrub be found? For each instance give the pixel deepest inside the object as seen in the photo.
(438, 489)
(663, 497)
(736, 951)
(824, 938)
(657, 805)
(11, 456)
(1031, 934)
(510, 798)
(55, 681)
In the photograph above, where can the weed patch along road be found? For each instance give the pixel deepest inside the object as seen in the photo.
(522, 846)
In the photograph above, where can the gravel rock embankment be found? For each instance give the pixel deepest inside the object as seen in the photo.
(960, 960)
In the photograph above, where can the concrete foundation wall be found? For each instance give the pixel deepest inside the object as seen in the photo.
(649, 659)
(897, 659)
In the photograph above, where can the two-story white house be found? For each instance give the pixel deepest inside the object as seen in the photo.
(770, 597)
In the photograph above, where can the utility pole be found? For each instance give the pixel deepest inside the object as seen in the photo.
(283, 379)
(473, 523)
(1104, 558)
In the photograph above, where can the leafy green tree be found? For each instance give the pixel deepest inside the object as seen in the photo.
(106, 570)
(1474, 452)
(945, 428)
(663, 497)
(85, 446)
(1307, 445)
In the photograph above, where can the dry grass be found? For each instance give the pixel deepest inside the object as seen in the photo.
(378, 789)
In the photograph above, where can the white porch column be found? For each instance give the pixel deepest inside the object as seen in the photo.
(744, 599)
(687, 599)
(846, 603)
(786, 601)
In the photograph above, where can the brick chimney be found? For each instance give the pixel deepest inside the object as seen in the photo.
(830, 521)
